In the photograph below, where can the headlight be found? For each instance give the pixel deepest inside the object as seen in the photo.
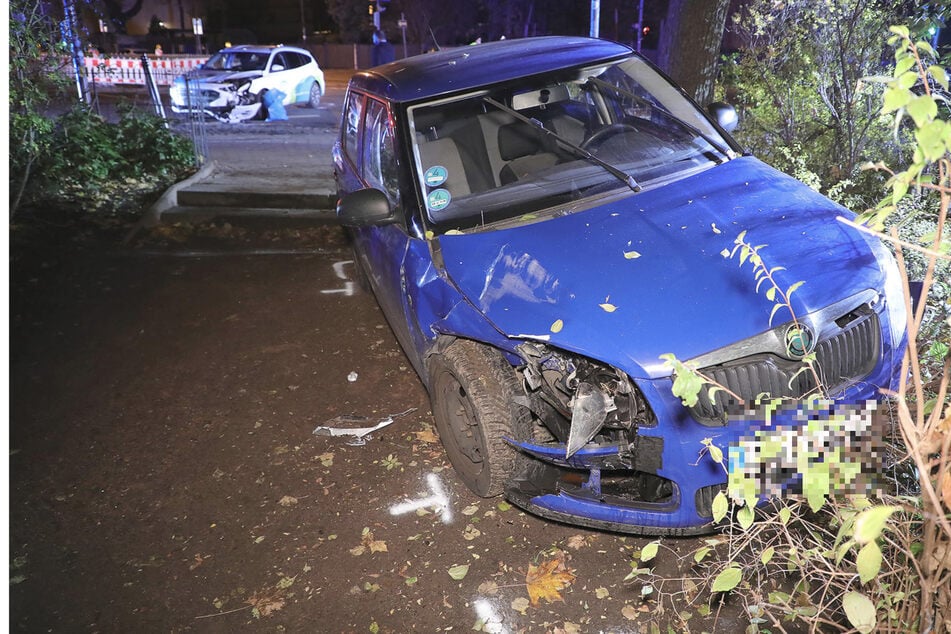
(894, 298)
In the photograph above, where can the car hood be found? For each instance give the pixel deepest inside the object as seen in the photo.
(645, 275)
(224, 76)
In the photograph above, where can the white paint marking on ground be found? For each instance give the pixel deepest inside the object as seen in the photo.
(339, 271)
(438, 501)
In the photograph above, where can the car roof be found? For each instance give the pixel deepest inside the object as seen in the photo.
(261, 48)
(469, 67)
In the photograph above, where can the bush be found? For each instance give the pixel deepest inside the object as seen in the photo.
(105, 167)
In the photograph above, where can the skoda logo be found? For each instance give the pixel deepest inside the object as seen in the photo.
(800, 341)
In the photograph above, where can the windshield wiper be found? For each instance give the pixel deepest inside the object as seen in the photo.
(618, 173)
(669, 116)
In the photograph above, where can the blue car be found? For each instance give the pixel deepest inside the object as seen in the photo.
(541, 220)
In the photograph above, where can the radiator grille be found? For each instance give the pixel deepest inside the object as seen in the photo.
(846, 357)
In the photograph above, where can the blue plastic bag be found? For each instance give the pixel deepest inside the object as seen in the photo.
(274, 103)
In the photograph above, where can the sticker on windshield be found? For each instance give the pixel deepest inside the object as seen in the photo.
(436, 176)
(438, 199)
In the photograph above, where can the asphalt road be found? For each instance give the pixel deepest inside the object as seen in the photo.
(165, 474)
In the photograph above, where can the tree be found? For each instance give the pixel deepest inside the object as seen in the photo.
(690, 44)
(34, 79)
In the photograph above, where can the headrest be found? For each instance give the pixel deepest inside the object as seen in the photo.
(519, 139)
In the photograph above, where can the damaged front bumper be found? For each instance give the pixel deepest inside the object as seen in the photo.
(641, 467)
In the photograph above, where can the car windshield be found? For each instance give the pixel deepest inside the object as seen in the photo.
(554, 140)
(236, 61)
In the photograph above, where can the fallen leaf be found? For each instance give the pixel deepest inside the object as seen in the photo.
(378, 546)
(571, 628)
(356, 551)
(472, 509)
(629, 612)
(608, 308)
(199, 560)
(459, 572)
(286, 582)
(287, 500)
(546, 580)
(602, 593)
(426, 436)
(631, 255)
(488, 587)
(326, 459)
(577, 542)
(520, 605)
(470, 533)
(265, 605)
(557, 325)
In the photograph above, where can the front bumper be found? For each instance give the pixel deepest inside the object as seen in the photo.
(662, 483)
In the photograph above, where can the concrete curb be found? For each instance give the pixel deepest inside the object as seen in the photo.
(168, 200)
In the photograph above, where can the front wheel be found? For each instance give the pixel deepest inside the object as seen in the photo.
(472, 389)
(315, 95)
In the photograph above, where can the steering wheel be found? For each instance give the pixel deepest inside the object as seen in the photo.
(601, 135)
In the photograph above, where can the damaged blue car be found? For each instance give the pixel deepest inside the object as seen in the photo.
(541, 220)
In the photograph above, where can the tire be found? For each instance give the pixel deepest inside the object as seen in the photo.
(472, 390)
(315, 95)
(262, 113)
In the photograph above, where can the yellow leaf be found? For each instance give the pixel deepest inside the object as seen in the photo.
(557, 326)
(608, 308)
(426, 435)
(546, 580)
(631, 255)
(378, 546)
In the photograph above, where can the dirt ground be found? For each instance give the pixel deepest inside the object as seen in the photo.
(165, 474)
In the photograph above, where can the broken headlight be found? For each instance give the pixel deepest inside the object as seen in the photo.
(579, 399)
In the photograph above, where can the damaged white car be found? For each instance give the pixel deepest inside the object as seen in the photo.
(232, 83)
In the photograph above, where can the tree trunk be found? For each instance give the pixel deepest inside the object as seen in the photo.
(690, 44)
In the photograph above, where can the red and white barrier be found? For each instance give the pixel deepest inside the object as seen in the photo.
(119, 71)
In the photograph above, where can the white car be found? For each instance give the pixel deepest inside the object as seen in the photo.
(240, 74)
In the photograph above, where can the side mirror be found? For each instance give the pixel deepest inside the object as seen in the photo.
(276, 68)
(724, 114)
(365, 208)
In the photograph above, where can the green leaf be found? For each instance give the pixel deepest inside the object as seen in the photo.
(895, 99)
(784, 515)
(815, 484)
(940, 75)
(771, 293)
(926, 47)
(649, 551)
(727, 579)
(745, 516)
(720, 507)
(779, 598)
(700, 554)
(906, 80)
(767, 555)
(922, 109)
(792, 289)
(860, 611)
(716, 453)
(773, 312)
(932, 139)
(870, 523)
(903, 65)
(459, 572)
(899, 30)
(869, 561)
